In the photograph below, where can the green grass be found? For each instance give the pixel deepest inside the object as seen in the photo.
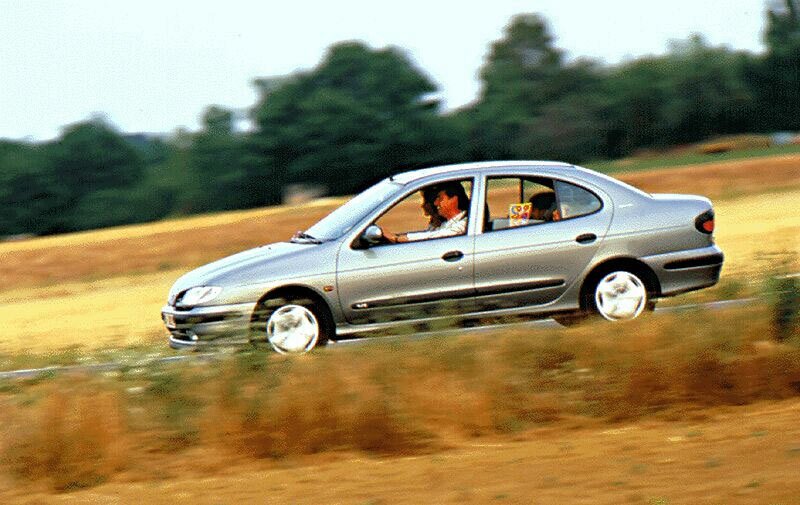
(666, 159)
(125, 357)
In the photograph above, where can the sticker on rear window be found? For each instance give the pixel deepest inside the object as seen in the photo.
(519, 214)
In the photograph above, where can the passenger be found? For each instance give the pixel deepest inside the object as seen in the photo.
(544, 206)
(429, 195)
(451, 204)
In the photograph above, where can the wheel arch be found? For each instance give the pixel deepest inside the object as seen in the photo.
(297, 291)
(632, 265)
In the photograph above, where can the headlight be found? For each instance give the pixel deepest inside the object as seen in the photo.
(200, 294)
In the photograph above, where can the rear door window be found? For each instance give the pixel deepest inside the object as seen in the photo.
(512, 202)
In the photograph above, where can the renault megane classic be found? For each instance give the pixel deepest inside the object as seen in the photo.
(468, 241)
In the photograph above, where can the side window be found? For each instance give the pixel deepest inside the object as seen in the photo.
(512, 202)
(434, 211)
(405, 215)
(575, 201)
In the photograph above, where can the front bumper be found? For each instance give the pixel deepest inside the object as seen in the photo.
(684, 271)
(199, 326)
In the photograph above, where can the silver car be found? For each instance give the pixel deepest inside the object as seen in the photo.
(541, 238)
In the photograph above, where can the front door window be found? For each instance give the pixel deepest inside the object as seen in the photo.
(432, 212)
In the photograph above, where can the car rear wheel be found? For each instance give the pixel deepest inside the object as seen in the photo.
(620, 296)
(615, 295)
(290, 325)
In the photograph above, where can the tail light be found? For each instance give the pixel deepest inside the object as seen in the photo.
(705, 222)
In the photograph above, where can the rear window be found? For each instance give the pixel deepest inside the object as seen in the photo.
(575, 201)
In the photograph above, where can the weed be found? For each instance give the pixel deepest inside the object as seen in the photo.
(648, 384)
(168, 397)
(74, 441)
(730, 288)
(45, 375)
(784, 295)
(380, 427)
(392, 397)
(9, 387)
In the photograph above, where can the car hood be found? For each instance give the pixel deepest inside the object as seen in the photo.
(261, 264)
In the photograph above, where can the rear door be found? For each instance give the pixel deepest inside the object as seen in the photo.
(523, 261)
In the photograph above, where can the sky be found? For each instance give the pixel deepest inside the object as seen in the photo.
(155, 66)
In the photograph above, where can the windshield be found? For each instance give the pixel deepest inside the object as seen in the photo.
(341, 220)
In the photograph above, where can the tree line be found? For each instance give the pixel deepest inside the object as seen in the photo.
(362, 114)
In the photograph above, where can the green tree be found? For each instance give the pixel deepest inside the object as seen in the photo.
(533, 103)
(218, 178)
(523, 69)
(92, 156)
(777, 77)
(31, 197)
(572, 128)
(637, 91)
(691, 93)
(360, 115)
(97, 168)
(709, 95)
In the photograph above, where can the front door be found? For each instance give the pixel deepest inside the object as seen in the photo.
(413, 280)
(423, 267)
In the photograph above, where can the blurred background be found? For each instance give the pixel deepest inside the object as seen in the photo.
(114, 113)
(364, 110)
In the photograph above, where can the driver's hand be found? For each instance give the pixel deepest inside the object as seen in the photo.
(390, 237)
(395, 238)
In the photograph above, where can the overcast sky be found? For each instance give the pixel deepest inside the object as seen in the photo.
(154, 66)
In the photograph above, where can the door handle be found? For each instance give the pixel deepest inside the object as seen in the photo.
(453, 256)
(586, 238)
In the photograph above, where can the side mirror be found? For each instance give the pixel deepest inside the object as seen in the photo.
(373, 235)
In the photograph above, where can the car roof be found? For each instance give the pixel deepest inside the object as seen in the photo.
(414, 175)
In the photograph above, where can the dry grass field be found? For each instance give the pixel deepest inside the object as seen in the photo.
(743, 455)
(95, 289)
(652, 409)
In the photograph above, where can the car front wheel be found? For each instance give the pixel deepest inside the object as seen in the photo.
(290, 325)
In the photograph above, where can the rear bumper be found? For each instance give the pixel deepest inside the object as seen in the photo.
(684, 271)
(200, 326)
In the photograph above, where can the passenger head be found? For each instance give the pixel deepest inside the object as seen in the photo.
(543, 205)
(428, 207)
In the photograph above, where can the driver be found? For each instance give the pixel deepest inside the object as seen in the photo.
(451, 203)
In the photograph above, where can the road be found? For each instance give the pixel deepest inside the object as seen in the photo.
(541, 323)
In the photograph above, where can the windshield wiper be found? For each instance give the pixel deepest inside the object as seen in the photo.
(305, 237)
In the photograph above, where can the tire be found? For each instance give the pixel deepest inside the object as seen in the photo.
(291, 325)
(619, 295)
